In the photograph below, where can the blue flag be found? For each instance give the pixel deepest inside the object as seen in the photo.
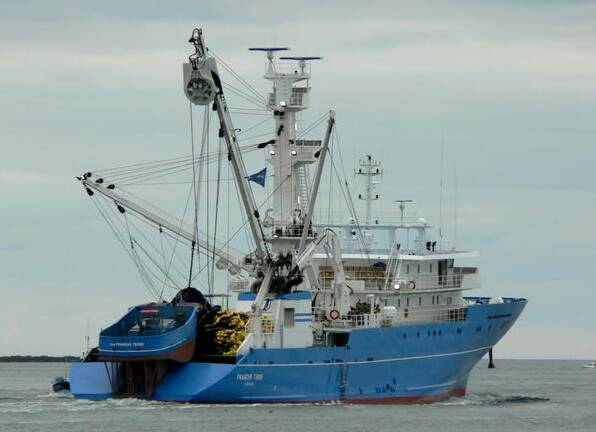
(259, 177)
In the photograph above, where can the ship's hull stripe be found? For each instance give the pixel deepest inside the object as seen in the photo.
(484, 348)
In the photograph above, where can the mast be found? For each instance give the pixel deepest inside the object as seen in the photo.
(402, 209)
(369, 168)
(286, 154)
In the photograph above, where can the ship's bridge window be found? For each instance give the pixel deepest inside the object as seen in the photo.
(289, 317)
(431, 268)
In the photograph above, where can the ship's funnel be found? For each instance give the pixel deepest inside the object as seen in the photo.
(200, 84)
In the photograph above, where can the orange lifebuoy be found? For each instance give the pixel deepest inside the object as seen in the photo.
(334, 314)
(406, 312)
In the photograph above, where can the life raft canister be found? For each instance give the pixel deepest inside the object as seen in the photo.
(406, 312)
(334, 314)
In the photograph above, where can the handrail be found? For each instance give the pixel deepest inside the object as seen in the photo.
(399, 317)
(462, 277)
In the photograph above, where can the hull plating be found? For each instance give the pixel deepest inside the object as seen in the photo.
(410, 364)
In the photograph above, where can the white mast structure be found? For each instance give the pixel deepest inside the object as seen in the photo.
(288, 155)
(369, 168)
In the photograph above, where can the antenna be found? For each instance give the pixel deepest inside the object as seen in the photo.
(87, 338)
(267, 49)
(402, 207)
(369, 168)
(302, 58)
(441, 187)
(270, 51)
(455, 207)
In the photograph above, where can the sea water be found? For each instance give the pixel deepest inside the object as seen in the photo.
(519, 395)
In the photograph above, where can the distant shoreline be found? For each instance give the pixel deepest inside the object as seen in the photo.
(38, 359)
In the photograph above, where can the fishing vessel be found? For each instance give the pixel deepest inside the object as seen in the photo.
(358, 310)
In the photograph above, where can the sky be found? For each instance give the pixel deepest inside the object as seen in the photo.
(508, 87)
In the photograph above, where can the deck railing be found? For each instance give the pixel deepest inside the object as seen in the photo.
(374, 279)
(399, 317)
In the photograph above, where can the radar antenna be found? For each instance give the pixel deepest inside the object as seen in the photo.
(302, 60)
(270, 51)
(402, 208)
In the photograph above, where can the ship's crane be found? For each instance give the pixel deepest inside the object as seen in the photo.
(234, 263)
(202, 86)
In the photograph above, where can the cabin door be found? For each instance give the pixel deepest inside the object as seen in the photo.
(442, 272)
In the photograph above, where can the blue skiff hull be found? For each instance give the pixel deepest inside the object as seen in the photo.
(409, 364)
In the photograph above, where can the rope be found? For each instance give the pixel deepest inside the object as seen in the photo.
(195, 226)
(216, 221)
(238, 77)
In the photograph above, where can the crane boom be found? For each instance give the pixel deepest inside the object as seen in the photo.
(222, 252)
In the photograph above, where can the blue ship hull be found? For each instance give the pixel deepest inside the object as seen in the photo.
(408, 364)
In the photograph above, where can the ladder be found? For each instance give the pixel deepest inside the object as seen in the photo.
(302, 188)
(393, 270)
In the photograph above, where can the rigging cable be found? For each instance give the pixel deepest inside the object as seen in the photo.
(243, 225)
(119, 237)
(238, 76)
(348, 199)
(180, 273)
(195, 226)
(211, 285)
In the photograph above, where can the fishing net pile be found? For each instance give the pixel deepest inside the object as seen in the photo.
(228, 330)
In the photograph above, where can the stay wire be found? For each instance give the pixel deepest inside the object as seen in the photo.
(238, 76)
(119, 237)
(158, 251)
(248, 98)
(195, 226)
(211, 285)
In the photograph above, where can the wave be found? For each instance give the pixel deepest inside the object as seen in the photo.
(491, 399)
